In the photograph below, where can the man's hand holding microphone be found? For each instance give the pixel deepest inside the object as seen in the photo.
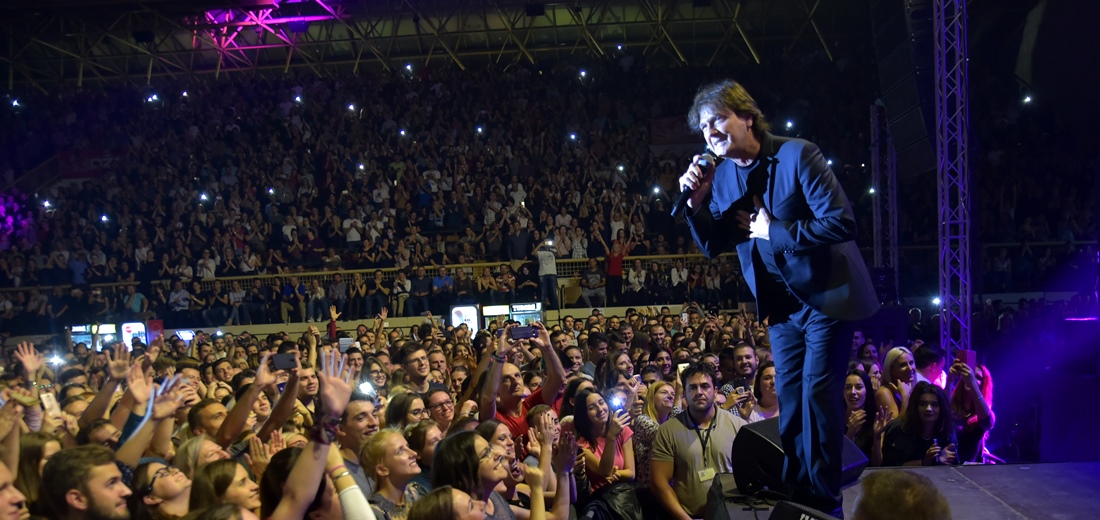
(696, 182)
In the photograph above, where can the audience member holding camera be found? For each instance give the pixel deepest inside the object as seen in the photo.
(925, 435)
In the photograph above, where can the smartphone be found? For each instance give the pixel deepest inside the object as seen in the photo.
(616, 404)
(186, 335)
(970, 357)
(284, 361)
(524, 333)
(680, 368)
(740, 384)
(346, 343)
(683, 317)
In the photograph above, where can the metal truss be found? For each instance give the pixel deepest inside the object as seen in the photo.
(68, 42)
(952, 128)
(884, 180)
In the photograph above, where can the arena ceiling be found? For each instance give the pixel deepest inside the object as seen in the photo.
(51, 44)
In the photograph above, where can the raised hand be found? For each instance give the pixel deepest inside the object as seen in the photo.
(544, 430)
(882, 420)
(504, 342)
(534, 446)
(276, 443)
(533, 476)
(335, 382)
(10, 414)
(258, 456)
(566, 453)
(332, 313)
(29, 357)
(118, 366)
(619, 421)
(139, 387)
(168, 400)
(856, 420)
(264, 376)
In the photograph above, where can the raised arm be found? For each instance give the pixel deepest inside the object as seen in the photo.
(487, 408)
(118, 367)
(284, 408)
(554, 384)
(237, 418)
(301, 485)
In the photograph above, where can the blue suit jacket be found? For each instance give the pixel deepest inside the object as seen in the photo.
(812, 230)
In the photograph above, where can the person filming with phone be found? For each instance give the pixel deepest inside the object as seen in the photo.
(775, 202)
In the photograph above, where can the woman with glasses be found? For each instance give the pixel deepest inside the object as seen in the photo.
(391, 463)
(404, 409)
(160, 492)
(377, 376)
(441, 407)
(224, 482)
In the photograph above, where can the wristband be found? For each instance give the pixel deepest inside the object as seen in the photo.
(337, 468)
(340, 476)
(499, 358)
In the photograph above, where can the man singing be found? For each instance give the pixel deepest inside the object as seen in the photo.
(776, 202)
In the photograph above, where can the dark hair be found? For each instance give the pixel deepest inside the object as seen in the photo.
(69, 469)
(139, 510)
(460, 424)
(863, 438)
(581, 423)
(570, 393)
(488, 429)
(417, 435)
(650, 369)
(236, 381)
(456, 463)
(435, 505)
(68, 374)
(411, 347)
(274, 480)
(695, 369)
(64, 393)
(595, 338)
(211, 481)
(216, 512)
(757, 379)
(925, 355)
(529, 375)
(193, 413)
(727, 95)
(911, 421)
(86, 432)
(398, 408)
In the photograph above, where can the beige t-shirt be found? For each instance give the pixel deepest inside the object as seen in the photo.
(680, 444)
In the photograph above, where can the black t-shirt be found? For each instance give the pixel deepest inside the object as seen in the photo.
(899, 445)
(212, 299)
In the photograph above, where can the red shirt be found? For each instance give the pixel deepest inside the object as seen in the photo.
(614, 265)
(518, 425)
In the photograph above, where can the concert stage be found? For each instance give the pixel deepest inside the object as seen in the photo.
(1012, 491)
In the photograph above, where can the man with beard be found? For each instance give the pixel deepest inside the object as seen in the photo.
(307, 392)
(357, 425)
(85, 483)
(740, 363)
(692, 448)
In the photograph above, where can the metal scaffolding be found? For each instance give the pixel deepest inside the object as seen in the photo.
(952, 127)
(884, 180)
(70, 42)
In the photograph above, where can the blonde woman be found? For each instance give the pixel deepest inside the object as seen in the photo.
(660, 403)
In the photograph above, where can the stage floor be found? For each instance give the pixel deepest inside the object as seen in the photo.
(1013, 491)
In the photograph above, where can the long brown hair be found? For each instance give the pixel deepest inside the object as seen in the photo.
(28, 479)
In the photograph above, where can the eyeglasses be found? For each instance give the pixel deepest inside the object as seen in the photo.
(493, 455)
(160, 473)
(417, 361)
(377, 372)
(444, 404)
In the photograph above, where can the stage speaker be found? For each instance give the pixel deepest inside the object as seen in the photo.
(758, 459)
(904, 50)
(785, 510)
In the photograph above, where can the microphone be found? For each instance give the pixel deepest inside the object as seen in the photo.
(706, 161)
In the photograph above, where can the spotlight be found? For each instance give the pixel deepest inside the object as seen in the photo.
(202, 197)
(862, 165)
(790, 124)
(573, 136)
(1027, 99)
(103, 218)
(479, 130)
(56, 360)
(872, 190)
(936, 301)
(620, 47)
(829, 162)
(402, 132)
(15, 102)
(184, 93)
(271, 191)
(46, 204)
(584, 73)
(297, 99)
(656, 190)
(409, 67)
(351, 107)
(361, 166)
(621, 167)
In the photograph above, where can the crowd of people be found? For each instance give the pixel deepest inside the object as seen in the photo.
(438, 167)
(438, 420)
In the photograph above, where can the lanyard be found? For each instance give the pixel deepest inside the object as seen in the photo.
(703, 440)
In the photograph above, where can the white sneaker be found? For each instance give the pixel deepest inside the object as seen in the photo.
(309, 320)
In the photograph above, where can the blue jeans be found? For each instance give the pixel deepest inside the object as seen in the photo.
(810, 351)
(548, 284)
